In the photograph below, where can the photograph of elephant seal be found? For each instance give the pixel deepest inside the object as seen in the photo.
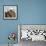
(10, 13)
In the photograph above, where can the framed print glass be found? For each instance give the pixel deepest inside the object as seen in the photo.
(10, 12)
(32, 32)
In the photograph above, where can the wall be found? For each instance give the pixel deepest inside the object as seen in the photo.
(33, 12)
(29, 12)
(7, 26)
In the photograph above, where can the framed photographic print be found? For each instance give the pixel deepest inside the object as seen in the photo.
(10, 11)
(33, 32)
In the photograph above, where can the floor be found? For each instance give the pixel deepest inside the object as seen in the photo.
(7, 45)
(30, 43)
